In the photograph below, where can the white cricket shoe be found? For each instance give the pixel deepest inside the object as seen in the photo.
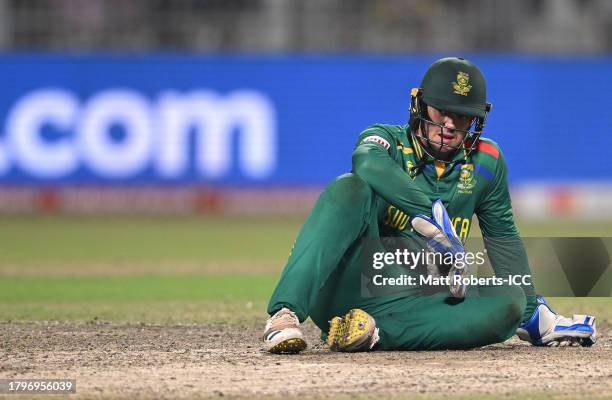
(282, 334)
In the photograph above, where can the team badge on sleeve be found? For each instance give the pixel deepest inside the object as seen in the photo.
(377, 139)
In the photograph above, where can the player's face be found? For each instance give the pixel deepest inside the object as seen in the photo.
(453, 132)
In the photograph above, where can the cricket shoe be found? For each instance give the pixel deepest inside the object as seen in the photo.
(282, 334)
(356, 331)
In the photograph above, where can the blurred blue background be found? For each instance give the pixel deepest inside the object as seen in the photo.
(276, 120)
(252, 106)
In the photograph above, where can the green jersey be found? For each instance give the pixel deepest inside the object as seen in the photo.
(393, 163)
(387, 158)
(325, 277)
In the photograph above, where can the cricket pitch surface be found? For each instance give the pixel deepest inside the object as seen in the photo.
(187, 361)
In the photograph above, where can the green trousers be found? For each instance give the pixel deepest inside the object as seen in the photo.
(323, 279)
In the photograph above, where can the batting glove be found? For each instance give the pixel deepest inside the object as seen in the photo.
(547, 328)
(443, 239)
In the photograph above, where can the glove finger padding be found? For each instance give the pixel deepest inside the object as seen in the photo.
(429, 229)
(456, 286)
(440, 215)
(438, 229)
(443, 239)
(426, 226)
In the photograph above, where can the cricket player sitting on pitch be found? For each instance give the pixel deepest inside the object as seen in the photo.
(437, 165)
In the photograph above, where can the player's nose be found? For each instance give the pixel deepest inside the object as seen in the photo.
(449, 123)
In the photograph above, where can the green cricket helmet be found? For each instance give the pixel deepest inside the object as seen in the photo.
(453, 85)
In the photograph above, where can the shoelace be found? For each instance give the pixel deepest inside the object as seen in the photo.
(284, 320)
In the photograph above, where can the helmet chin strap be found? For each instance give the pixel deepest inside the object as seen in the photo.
(420, 131)
(428, 144)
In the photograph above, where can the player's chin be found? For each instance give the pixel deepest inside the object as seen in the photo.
(446, 146)
(444, 149)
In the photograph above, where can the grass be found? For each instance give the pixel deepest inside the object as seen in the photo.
(178, 269)
(153, 299)
(126, 240)
(182, 270)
